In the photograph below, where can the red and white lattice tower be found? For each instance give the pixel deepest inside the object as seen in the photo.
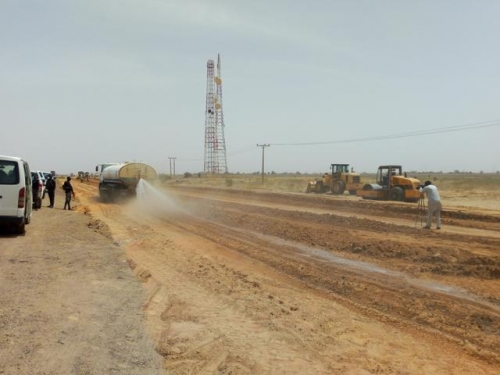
(215, 144)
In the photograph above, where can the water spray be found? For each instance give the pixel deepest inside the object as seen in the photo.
(155, 201)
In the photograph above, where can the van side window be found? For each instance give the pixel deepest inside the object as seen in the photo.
(9, 173)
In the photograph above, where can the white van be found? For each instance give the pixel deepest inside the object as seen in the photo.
(16, 194)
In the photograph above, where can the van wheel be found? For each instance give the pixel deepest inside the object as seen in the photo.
(21, 229)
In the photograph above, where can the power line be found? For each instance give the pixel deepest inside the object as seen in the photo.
(448, 129)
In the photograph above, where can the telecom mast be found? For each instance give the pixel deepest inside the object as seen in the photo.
(215, 144)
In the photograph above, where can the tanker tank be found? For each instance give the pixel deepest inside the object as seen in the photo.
(120, 180)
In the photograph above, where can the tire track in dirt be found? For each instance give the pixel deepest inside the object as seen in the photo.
(395, 302)
(217, 283)
(191, 333)
(446, 254)
(389, 212)
(392, 213)
(195, 332)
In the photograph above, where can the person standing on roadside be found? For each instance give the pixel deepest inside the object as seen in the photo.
(50, 187)
(433, 204)
(68, 189)
(35, 186)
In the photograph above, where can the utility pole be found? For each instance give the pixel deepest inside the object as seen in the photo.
(263, 147)
(172, 162)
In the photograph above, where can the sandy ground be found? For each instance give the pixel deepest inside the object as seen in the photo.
(69, 303)
(241, 282)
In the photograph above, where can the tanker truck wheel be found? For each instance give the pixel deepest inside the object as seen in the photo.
(106, 196)
(338, 188)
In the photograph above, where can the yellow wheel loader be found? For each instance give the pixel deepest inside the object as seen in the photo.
(339, 180)
(392, 185)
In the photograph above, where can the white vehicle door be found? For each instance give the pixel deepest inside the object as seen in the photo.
(29, 191)
(10, 184)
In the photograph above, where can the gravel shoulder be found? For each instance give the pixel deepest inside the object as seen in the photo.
(69, 303)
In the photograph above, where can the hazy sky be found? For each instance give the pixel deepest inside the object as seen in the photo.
(92, 81)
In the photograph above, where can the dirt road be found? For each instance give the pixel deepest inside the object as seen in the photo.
(276, 283)
(245, 282)
(69, 303)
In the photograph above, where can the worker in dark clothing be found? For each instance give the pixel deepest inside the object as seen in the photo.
(50, 187)
(35, 185)
(68, 189)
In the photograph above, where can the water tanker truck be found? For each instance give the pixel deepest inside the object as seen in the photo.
(120, 179)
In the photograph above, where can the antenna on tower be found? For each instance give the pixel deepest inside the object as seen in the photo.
(215, 144)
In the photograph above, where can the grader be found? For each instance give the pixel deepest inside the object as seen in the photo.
(339, 180)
